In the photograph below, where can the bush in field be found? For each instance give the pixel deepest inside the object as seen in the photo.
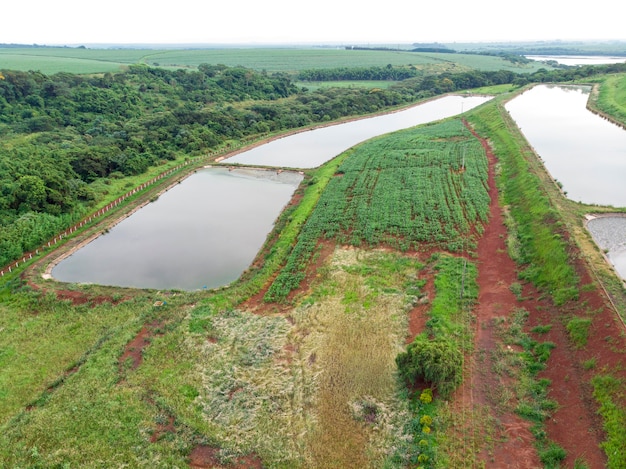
(436, 361)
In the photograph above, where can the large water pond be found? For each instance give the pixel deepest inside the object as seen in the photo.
(610, 234)
(312, 148)
(579, 59)
(207, 230)
(201, 233)
(584, 152)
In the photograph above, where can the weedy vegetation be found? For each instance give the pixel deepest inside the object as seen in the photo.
(423, 188)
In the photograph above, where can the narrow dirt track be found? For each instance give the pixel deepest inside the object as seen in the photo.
(496, 272)
(575, 425)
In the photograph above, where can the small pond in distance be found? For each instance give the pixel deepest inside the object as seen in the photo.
(181, 241)
(579, 59)
(609, 232)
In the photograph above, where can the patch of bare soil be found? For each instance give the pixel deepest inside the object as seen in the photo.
(496, 272)
(76, 297)
(79, 298)
(132, 356)
(419, 313)
(164, 428)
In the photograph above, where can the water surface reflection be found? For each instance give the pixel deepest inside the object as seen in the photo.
(312, 148)
(584, 152)
(203, 232)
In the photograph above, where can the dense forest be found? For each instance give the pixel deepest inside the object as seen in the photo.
(64, 136)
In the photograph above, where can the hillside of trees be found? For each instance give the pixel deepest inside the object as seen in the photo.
(64, 136)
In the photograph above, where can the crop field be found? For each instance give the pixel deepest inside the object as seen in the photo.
(291, 60)
(51, 64)
(287, 60)
(66, 59)
(415, 189)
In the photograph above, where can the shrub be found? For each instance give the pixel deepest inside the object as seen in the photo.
(437, 361)
(426, 397)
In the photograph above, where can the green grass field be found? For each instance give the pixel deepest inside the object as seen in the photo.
(612, 98)
(289, 60)
(50, 64)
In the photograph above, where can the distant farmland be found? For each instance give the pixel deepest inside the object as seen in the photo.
(51, 60)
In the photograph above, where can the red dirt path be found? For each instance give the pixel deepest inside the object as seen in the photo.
(204, 457)
(496, 272)
(575, 425)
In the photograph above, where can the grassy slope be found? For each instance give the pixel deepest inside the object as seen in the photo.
(611, 100)
(534, 217)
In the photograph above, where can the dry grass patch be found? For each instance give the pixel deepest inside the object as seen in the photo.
(354, 336)
(316, 388)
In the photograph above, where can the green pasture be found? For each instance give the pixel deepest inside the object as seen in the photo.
(288, 60)
(50, 64)
(612, 97)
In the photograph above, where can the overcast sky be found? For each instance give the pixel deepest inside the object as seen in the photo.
(318, 21)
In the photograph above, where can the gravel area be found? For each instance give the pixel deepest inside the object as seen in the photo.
(610, 234)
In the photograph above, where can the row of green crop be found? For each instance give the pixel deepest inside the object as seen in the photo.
(534, 222)
(436, 358)
(423, 187)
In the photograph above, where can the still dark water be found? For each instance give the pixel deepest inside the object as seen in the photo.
(310, 149)
(584, 152)
(203, 232)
